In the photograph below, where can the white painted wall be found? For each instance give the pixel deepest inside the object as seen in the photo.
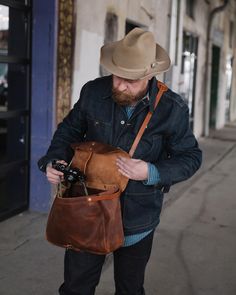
(89, 61)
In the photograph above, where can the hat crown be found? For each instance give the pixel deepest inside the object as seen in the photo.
(136, 56)
(137, 50)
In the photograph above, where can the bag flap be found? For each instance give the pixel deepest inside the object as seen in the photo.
(98, 162)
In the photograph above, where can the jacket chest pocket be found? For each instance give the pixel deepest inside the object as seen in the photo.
(98, 130)
(149, 148)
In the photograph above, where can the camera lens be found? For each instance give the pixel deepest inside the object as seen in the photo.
(70, 178)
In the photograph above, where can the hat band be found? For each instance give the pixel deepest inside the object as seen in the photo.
(143, 70)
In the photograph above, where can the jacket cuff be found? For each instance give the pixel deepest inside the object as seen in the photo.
(153, 175)
(43, 162)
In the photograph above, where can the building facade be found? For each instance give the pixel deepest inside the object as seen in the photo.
(49, 49)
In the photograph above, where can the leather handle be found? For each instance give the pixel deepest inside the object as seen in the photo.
(162, 88)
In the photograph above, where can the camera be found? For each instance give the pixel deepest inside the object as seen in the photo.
(71, 175)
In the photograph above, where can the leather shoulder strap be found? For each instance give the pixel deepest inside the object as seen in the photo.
(162, 88)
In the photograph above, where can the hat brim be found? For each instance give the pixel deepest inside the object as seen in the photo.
(162, 63)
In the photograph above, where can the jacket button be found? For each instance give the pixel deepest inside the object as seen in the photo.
(122, 122)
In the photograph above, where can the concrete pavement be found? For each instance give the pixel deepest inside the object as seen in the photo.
(194, 246)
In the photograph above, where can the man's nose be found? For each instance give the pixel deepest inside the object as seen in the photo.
(120, 84)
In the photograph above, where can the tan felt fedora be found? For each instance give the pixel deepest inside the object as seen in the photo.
(134, 57)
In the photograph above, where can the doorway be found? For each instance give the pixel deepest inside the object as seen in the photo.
(188, 71)
(14, 106)
(215, 62)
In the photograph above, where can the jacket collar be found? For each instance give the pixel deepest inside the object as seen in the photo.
(107, 88)
(153, 89)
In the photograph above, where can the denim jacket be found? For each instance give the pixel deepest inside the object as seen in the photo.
(167, 142)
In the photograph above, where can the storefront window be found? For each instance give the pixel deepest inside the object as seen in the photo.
(14, 106)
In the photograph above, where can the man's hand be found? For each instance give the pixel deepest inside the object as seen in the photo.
(54, 176)
(132, 168)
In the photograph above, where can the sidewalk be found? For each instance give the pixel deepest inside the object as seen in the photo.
(194, 246)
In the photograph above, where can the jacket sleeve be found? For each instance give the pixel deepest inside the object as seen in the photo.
(71, 130)
(183, 156)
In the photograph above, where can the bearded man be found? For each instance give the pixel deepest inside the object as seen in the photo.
(111, 110)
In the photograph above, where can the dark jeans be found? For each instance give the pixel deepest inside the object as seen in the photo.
(82, 270)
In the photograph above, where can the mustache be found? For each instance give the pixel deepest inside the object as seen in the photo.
(123, 98)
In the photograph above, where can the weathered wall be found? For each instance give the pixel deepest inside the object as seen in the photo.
(232, 113)
(233, 90)
(220, 37)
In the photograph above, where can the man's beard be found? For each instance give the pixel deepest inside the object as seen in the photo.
(126, 99)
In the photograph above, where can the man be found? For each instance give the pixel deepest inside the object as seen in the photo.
(111, 110)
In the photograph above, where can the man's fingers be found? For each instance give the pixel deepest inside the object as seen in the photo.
(124, 163)
(52, 171)
(124, 173)
(127, 165)
(54, 176)
(135, 169)
(54, 181)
